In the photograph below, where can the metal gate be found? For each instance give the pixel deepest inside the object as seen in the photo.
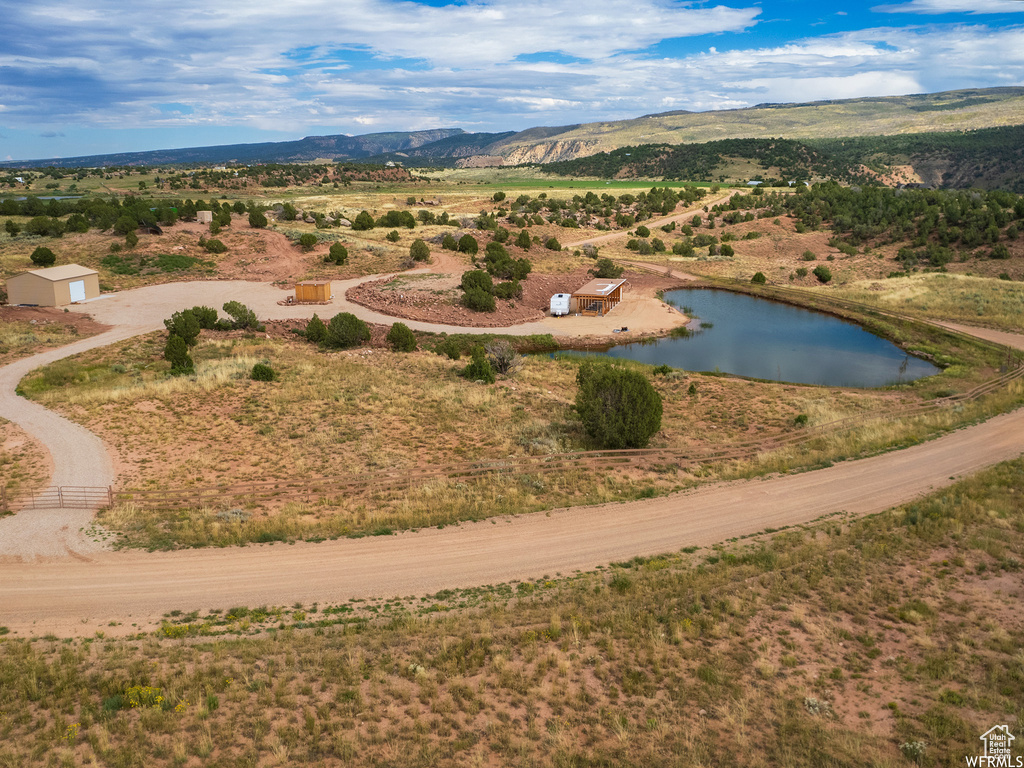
(61, 497)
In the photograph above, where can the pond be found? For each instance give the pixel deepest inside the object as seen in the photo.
(761, 339)
(45, 197)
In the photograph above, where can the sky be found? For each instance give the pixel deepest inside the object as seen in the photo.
(82, 77)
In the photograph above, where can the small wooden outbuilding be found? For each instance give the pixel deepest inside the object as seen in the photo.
(313, 291)
(54, 286)
(204, 217)
(598, 297)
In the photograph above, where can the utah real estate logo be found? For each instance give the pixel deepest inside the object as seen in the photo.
(998, 753)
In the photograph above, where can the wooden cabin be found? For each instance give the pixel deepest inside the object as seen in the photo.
(598, 297)
(313, 291)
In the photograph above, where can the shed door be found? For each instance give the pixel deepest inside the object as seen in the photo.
(77, 290)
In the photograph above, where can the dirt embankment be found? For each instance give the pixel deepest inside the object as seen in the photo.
(435, 298)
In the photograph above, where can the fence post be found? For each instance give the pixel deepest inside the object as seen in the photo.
(3, 499)
(110, 495)
(60, 497)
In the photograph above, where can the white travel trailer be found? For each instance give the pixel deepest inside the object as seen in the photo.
(560, 304)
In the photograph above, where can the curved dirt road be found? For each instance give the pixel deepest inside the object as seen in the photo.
(83, 595)
(80, 457)
(135, 588)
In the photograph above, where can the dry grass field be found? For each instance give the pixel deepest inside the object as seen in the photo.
(886, 641)
(351, 413)
(24, 465)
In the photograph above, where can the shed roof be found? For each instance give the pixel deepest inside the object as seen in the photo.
(314, 282)
(62, 272)
(599, 287)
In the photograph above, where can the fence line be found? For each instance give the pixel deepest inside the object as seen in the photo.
(315, 489)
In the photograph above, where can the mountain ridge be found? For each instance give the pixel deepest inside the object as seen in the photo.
(947, 111)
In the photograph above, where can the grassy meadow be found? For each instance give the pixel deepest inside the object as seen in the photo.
(883, 641)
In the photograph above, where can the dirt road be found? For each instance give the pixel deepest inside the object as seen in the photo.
(82, 459)
(84, 593)
(134, 588)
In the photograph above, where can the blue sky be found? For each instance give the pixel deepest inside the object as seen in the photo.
(95, 76)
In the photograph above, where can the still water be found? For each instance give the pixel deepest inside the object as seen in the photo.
(764, 339)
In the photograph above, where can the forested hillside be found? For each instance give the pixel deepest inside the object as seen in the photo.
(991, 158)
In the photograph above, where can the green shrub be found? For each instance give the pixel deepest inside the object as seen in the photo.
(448, 242)
(363, 221)
(43, 257)
(823, 273)
(205, 316)
(176, 353)
(393, 236)
(242, 318)
(759, 278)
(643, 231)
(119, 265)
(316, 331)
(727, 250)
(175, 262)
(619, 407)
(523, 240)
(307, 240)
(124, 224)
(401, 338)
(552, 244)
(809, 256)
(468, 244)
(606, 268)
(262, 372)
(510, 290)
(257, 220)
(478, 300)
(450, 348)
(419, 250)
(397, 219)
(338, 254)
(185, 325)
(346, 330)
(215, 246)
(479, 368)
(477, 278)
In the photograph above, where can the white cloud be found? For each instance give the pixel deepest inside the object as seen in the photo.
(315, 66)
(953, 6)
(859, 85)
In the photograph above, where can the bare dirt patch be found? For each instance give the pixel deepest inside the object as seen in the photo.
(435, 299)
(27, 330)
(25, 465)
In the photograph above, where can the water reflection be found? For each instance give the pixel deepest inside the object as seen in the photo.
(757, 338)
